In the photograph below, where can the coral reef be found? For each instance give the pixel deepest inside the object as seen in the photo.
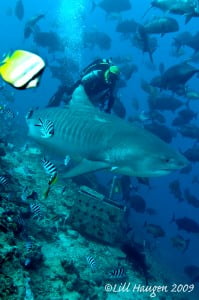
(44, 258)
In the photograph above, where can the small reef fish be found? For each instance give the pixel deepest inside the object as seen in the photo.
(91, 262)
(22, 69)
(46, 128)
(36, 211)
(49, 167)
(117, 273)
(28, 245)
(3, 180)
(20, 221)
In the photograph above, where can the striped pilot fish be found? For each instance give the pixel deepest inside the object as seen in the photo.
(46, 128)
(49, 167)
(3, 181)
(117, 273)
(91, 262)
(36, 211)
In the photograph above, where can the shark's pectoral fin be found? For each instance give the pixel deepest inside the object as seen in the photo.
(86, 166)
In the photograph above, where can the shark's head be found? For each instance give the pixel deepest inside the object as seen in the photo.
(163, 164)
(150, 157)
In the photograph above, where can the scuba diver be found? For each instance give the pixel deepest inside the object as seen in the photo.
(98, 79)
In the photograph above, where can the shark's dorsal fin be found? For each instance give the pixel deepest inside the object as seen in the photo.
(79, 97)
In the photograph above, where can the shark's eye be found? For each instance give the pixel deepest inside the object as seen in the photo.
(166, 160)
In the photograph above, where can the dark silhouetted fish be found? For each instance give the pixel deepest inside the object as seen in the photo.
(190, 198)
(186, 224)
(184, 117)
(164, 102)
(155, 230)
(190, 131)
(182, 39)
(49, 40)
(180, 243)
(97, 38)
(19, 9)
(110, 6)
(161, 25)
(175, 78)
(192, 154)
(127, 27)
(187, 8)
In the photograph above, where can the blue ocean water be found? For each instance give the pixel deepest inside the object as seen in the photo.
(70, 20)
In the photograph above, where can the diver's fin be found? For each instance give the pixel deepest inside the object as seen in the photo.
(86, 166)
(79, 97)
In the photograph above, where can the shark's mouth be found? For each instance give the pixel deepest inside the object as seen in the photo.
(162, 172)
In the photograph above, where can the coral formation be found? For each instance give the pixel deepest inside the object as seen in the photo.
(47, 255)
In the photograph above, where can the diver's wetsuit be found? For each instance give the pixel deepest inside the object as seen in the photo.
(98, 88)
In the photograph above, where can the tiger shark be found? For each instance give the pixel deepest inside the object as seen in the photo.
(96, 141)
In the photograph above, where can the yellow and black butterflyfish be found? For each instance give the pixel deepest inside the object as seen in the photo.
(22, 69)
